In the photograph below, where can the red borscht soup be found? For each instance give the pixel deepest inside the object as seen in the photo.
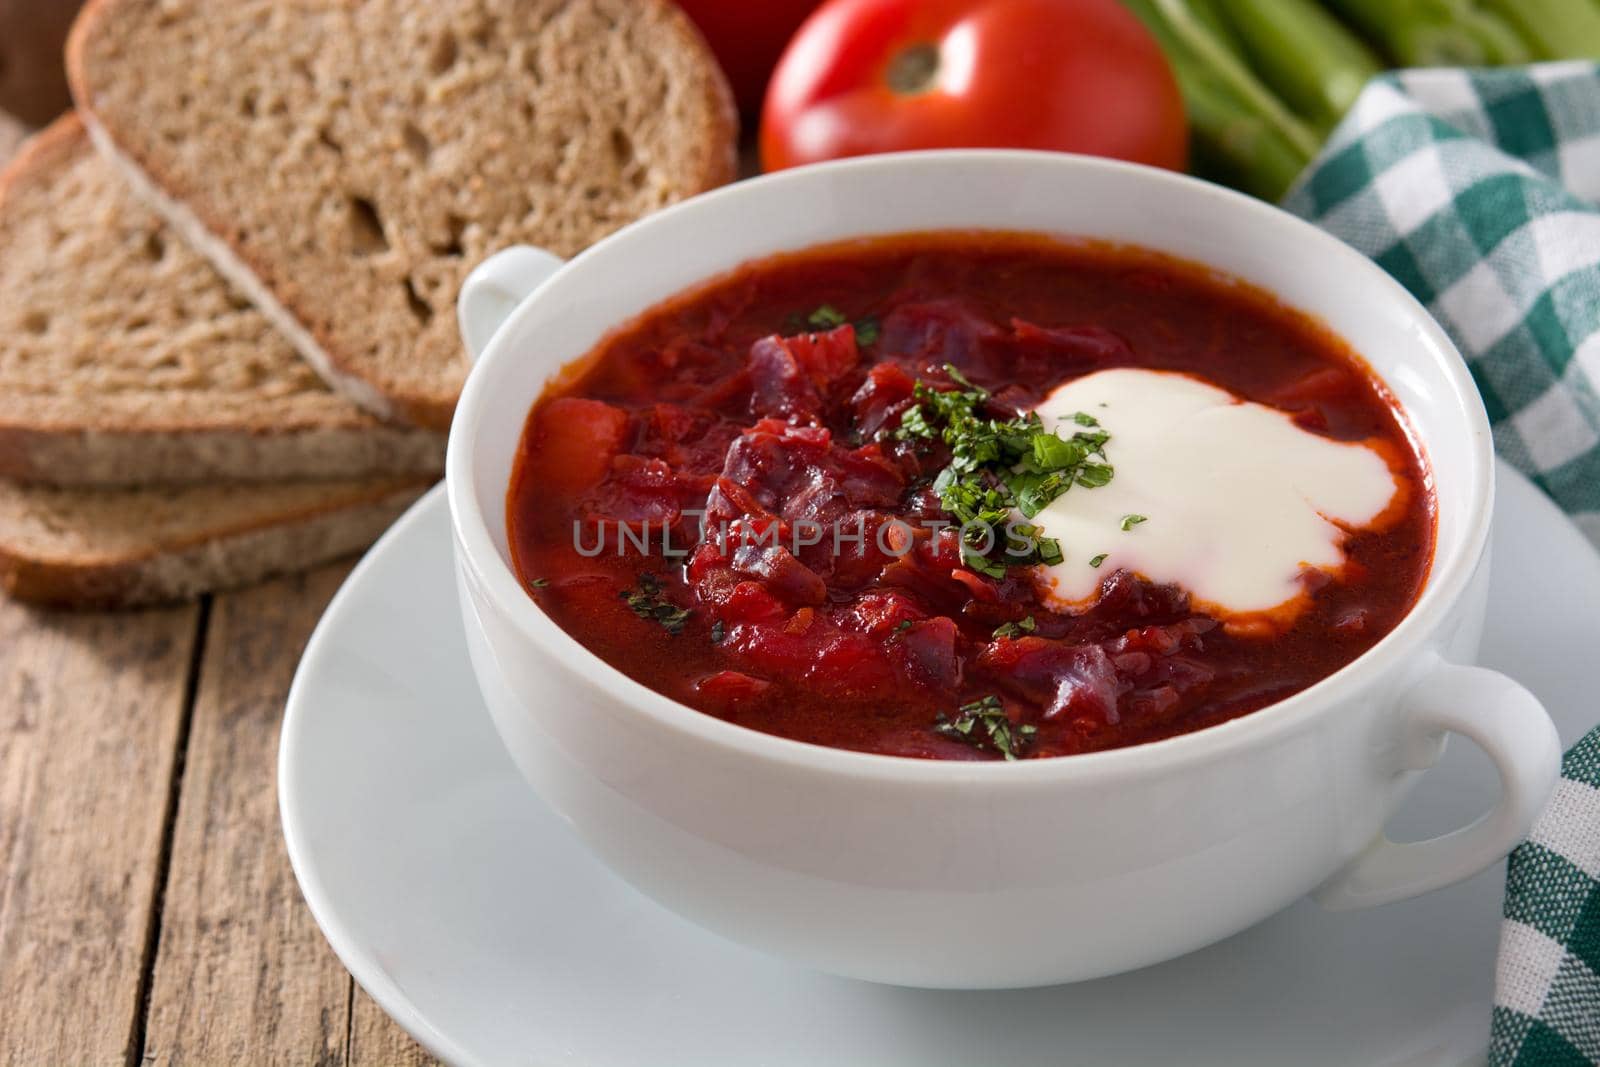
(972, 496)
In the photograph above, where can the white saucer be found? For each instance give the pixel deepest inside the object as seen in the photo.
(472, 915)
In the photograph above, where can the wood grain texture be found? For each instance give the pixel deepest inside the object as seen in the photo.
(375, 1041)
(242, 975)
(91, 716)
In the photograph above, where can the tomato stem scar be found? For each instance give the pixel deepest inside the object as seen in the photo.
(914, 70)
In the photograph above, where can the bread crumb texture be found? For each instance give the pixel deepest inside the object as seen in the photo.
(361, 158)
(109, 323)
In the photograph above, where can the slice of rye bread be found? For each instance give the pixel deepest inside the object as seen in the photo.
(115, 548)
(346, 164)
(125, 359)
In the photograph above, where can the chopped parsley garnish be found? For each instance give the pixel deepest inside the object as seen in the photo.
(539, 583)
(1101, 558)
(718, 632)
(998, 466)
(953, 372)
(650, 603)
(983, 724)
(902, 626)
(1024, 625)
(826, 317)
(1130, 521)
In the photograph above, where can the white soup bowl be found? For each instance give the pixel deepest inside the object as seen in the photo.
(970, 875)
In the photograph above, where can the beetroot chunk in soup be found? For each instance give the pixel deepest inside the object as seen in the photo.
(791, 375)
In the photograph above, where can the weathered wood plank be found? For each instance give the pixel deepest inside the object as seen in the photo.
(242, 974)
(92, 712)
(375, 1040)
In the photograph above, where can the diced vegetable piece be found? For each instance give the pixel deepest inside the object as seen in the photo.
(788, 374)
(786, 576)
(927, 651)
(726, 690)
(886, 393)
(575, 441)
(939, 332)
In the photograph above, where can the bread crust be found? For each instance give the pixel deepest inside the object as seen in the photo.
(186, 454)
(281, 294)
(224, 556)
(12, 136)
(722, 136)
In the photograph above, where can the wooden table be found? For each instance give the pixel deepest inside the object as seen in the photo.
(147, 908)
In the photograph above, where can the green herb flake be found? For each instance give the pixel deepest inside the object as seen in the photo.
(1024, 625)
(902, 626)
(539, 583)
(650, 603)
(1130, 521)
(984, 724)
(976, 560)
(1000, 466)
(1101, 558)
(955, 375)
(1094, 475)
(1085, 419)
(826, 317)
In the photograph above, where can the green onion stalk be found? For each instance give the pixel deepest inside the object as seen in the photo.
(1240, 130)
(1556, 29)
(1436, 33)
(1238, 147)
(1313, 62)
(1205, 12)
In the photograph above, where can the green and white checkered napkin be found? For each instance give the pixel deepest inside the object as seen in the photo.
(1480, 192)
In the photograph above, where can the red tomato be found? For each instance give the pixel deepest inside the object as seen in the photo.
(865, 76)
(748, 37)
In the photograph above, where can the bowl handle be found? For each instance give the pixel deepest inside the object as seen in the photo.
(494, 289)
(1508, 723)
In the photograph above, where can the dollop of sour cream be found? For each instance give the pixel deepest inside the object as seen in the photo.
(1225, 497)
